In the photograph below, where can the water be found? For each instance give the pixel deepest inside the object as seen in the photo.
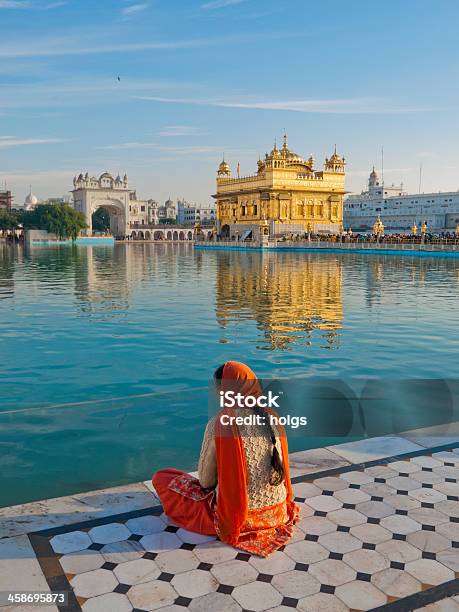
(89, 333)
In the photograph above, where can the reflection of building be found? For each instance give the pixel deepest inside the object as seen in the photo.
(399, 210)
(287, 191)
(289, 297)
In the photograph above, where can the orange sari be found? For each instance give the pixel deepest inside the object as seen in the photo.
(258, 531)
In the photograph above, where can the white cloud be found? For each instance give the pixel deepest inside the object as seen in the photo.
(14, 4)
(11, 141)
(74, 44)
(133, 9)
(179, 130)
(217, 4)
(338, 106)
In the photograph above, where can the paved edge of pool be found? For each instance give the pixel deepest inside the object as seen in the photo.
(416, 253)
(35, 516)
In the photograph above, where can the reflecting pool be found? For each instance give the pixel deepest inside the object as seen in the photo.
(107, 351)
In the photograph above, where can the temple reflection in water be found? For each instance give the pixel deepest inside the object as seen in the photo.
(288, 297)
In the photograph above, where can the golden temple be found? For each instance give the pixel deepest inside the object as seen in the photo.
(286, 193)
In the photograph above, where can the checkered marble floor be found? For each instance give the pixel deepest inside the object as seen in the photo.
(380, 535)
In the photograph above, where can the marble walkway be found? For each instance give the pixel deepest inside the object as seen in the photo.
(379, 530)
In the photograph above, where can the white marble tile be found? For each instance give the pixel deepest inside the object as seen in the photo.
(115, 602)
(398, 550)
(331, 483)
(347, 517)
(321, 602)
(366, 561)
(370, 449)
(449, 530)
(159, 542)
(428, 571)
(121, 552)
(426, 461)
(339, 541)
(361, 595)
(192, 537)
(70, 542)
(81, 561)
(257, 596)
(314, 460)
(356, 477)
(176, 561)
(214, 552)
(370, 533)
(352, 496)
(450, 558)
(375, 509)
(108, 534)
(296, 584)
(397, 523)
(430, 496)
(403, 483)
(135, 572)
(396, 583)
(212, 602)
(152, 595)
(332, 572)
(317, 525)
(447, 488)
(428, 541)
(404, 466)
(234, 572)
(447, 456)
(91, 584)
(306, 551)
(430, 516)
(276, 563)
(403, 502)
(19, 569)
(144, 525)
(194, 583)
(324, 503)
(60, 511)
(305, 490)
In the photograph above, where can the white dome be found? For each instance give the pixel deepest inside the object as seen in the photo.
(31, 201)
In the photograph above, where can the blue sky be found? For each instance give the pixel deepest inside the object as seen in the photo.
(203, 77)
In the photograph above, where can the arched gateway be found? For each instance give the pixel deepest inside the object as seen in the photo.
(91, 193)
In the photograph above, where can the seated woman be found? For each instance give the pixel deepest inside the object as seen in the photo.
(244, 494)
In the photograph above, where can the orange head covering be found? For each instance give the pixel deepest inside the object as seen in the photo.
(232, 501)
(239, 378)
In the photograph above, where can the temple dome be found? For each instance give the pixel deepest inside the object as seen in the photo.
(31, 201)
(223, 168)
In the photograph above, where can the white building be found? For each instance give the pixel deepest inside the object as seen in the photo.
(186, 213)
(168, 211)
(31, 201)
(399, 210)
(206, 214)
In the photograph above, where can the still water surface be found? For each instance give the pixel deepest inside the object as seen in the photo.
(89, 333)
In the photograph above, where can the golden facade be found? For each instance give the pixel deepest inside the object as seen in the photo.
(291, 298)
(286, 192)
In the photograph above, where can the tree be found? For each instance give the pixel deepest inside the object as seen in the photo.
(8, 221)
(59, 219)
(101, 220)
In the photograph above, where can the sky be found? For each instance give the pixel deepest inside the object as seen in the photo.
(161, 89)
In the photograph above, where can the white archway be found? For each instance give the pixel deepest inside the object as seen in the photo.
(116, 212)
